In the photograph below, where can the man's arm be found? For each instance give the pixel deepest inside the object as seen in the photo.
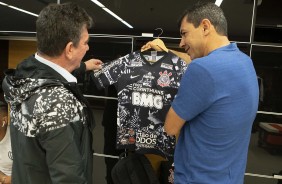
(173, 123)
(91, 64)
(61, 135)
(158, 45)
(63, 157)
(182, 55)
(5, 179)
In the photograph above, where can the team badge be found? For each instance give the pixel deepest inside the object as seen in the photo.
(164, 79)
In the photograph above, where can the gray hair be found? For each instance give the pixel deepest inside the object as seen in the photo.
(59, 24)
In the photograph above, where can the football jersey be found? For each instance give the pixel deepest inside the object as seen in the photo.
(145, 92)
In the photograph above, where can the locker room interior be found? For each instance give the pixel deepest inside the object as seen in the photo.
(255, 25)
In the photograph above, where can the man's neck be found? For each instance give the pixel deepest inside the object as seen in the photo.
(215, 42)
(58, 60)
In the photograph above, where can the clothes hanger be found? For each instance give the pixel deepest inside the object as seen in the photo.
(158, 42)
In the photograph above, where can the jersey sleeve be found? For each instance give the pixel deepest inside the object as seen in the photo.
(110, 72)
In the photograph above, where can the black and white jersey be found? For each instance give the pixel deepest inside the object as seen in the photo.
(145, 92)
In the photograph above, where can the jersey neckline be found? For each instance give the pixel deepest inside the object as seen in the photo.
(165, 54)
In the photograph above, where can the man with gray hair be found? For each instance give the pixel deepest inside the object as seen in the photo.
(51, 123)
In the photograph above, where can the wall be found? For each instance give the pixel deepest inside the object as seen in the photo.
(19, 50)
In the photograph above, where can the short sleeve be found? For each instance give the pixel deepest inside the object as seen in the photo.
(110, 72)
(195, 94)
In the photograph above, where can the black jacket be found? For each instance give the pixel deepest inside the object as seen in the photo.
(51, 126)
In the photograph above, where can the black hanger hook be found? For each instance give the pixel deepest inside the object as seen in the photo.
(160, 32)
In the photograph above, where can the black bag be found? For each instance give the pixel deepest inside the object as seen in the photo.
(134, 169)
(167, 172)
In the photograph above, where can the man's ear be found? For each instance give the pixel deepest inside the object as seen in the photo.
(69, 50)
(206, 25)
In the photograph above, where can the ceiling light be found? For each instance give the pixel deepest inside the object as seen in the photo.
(98, 3)
(218, 2)
(128, 25)
(18, 9)
(111, 13)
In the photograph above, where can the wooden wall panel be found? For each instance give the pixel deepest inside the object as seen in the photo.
(19, 50)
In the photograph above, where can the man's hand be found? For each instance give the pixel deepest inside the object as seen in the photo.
(156, 44)
(93, 64)
(4, 179)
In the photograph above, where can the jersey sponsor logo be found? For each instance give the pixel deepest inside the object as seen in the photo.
(145, 138)
(166, 66)
(135, 63)
(147, 100)
(164, 79)
(140, 88)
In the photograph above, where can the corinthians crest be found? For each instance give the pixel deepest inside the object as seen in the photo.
(164, 79)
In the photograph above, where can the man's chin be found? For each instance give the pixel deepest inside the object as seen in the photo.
(191, 56)
(78, 66)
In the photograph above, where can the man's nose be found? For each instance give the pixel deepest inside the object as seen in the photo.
(181, 44)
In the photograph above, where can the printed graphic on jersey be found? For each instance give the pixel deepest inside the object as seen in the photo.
(167, 66)
(145, 92)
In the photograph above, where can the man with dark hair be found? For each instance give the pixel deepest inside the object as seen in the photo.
(216, 102)
(51, 123)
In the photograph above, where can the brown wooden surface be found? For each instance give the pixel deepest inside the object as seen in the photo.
(19, 50)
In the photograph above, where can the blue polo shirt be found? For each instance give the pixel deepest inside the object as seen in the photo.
(218, 98)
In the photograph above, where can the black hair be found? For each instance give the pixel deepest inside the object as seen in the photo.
(210, 11)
